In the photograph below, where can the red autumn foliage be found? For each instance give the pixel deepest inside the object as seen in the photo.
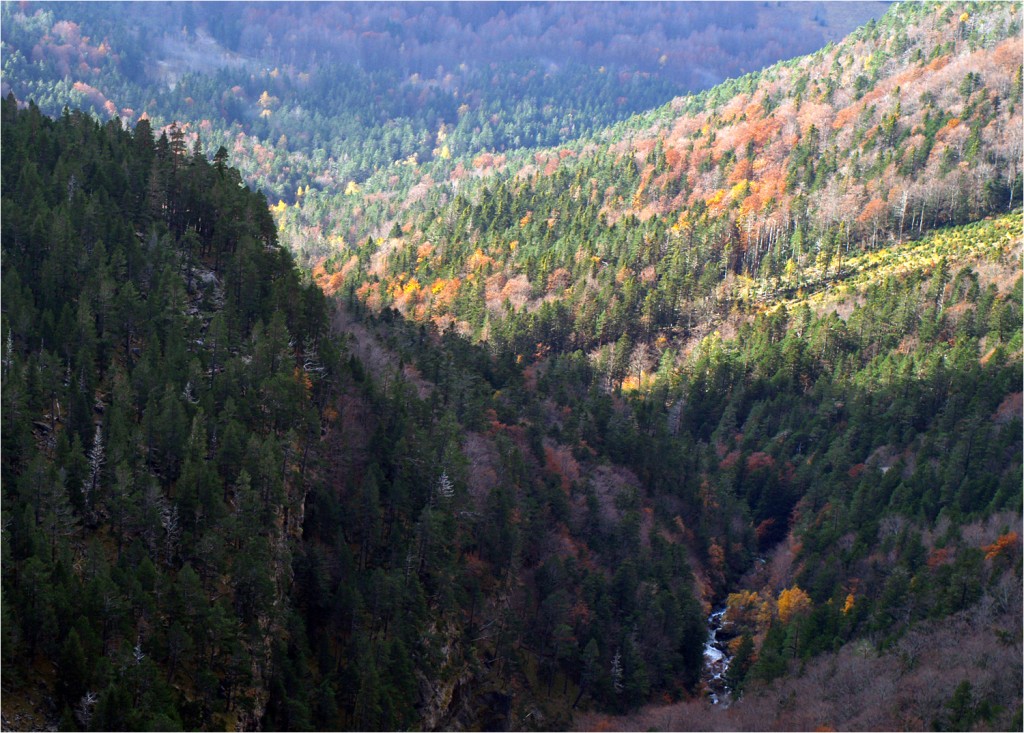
(938, 557)
(764, 529)
(730, 460)
(759, 460)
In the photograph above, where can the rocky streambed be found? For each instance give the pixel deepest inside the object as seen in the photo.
(716, 660)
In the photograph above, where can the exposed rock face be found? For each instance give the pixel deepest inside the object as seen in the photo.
(438, 696)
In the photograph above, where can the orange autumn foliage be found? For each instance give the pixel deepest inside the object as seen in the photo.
(1006, 544)
(332, 284)
(874, 209)
(478, 260)
(742, 171)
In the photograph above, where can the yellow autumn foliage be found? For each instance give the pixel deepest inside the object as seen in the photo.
(742, 188)
(793, 602)
(478, 260)
(266, 101)
(848, 606)
(741, 608)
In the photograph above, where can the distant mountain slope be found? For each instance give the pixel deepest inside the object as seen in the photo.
(910, 123)
(308, 97)
(690, 44)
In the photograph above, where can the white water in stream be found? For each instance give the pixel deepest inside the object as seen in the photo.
(716, 660)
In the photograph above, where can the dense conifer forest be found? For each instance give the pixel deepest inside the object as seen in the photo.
(476, 434)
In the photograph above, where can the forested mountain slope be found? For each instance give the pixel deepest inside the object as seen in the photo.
(309, 97)
(815, 366)
(165, 374)
(215, 517)
(756, 187)
(556, 406)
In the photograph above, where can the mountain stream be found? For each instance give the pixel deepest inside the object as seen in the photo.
(716, 660)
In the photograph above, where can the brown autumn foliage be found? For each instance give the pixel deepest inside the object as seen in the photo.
(1010, 408)
(559, 461)
(558, 281)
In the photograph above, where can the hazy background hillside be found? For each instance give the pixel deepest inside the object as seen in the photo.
(316, 95)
